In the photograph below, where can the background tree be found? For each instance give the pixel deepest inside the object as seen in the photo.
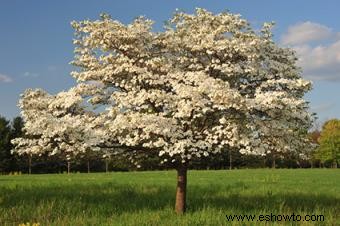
(9, 130)
(206, 84)
(329, 141)
(5, 147)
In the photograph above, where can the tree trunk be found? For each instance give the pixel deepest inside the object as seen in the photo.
(88, 166)
(264, 161)
(106, 166)
(230, 161)
(29, 164)
(180, 206)
(68, 167)
(274, 162)
(335, 164)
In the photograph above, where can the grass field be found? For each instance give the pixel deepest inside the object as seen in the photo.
(147, 198)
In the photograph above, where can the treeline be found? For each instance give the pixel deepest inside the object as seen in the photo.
(325, 154)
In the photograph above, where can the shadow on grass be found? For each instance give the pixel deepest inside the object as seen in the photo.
(107, 199)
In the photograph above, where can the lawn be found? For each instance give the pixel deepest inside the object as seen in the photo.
(147, 198)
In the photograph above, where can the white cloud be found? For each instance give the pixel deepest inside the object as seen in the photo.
(319, 61)
(5, 78)
(306, 32)
(31, 74)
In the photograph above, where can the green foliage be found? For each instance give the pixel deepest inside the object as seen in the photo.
(329, 140)
(17, 127)
(146, 198)
(5, 147)
(8, 131)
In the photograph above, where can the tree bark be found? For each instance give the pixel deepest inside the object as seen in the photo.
(68, 167)
(180, 206)
(230, 160)
(335, 164)
(106, 165)
(274, 162)
(264, 162)
(88, 166)
(29, 164)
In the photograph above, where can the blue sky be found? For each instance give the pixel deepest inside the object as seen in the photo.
(36, 40)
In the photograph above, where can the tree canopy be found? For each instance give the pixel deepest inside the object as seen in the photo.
(205, 83)
(329, 140)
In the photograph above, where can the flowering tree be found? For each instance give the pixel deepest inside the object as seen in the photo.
(207, 83)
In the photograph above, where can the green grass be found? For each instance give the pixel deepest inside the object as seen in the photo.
(147, 198)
